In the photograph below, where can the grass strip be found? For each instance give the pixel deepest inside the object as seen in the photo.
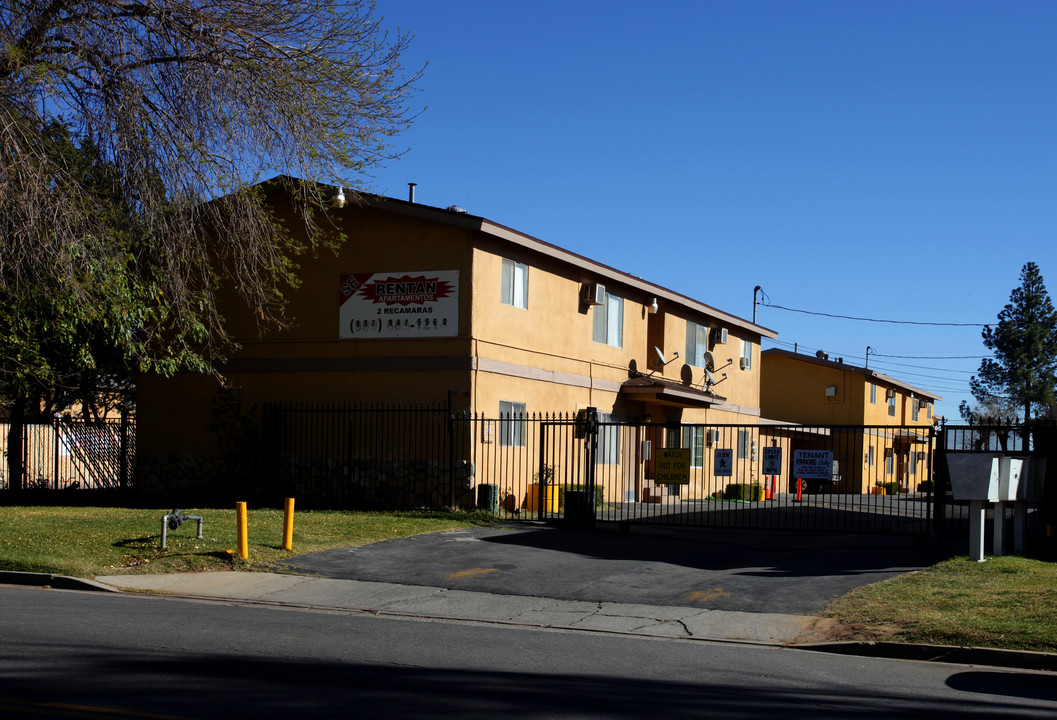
(90, 541)
(1005, 602)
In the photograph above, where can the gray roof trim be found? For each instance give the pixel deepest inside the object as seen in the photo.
(590, 267)
(872, 374)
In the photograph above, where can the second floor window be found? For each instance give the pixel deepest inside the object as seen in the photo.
(696, 344)
(746, 355)
(892, 405)
(609, 321)
(515, 284)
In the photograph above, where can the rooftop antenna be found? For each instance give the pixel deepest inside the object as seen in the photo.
(755, 290)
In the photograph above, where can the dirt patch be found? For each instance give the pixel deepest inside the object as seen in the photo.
(823, 630)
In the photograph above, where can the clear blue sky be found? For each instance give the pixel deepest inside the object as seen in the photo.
(889, 160)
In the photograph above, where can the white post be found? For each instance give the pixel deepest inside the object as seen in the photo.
(1020, 522)
(999, 521)
(977, 511)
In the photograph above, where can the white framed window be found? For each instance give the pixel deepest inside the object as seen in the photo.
(914, 410)
(694, 439)
(746, 355)
(870, 457)
(515, 284)
(873, 393)
(608, 441)
(913, 466)
(892, 405)
(928, 410)
(890, 461)
(696, 344)
(744, 444)
(609, 321)
(511, 424)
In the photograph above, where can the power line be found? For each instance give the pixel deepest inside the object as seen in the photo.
(876, 320)
(932, 357)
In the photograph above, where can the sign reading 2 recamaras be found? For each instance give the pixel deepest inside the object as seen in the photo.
(399, 304)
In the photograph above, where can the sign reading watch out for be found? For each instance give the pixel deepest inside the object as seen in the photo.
(399, 304)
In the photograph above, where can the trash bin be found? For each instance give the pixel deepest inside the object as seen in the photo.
(488, 497)
(579, 508)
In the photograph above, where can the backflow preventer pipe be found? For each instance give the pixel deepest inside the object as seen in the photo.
(175, 519)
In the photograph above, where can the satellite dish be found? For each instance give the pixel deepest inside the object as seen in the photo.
(710, 362)
(661, 362)
(709, 379)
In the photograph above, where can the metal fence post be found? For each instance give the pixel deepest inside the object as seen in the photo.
(123, 468)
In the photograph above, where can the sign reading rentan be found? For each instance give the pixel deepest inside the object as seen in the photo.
(399, 304)
(672, 466)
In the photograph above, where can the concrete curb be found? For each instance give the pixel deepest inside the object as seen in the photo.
(60, 582)
(1014, 659)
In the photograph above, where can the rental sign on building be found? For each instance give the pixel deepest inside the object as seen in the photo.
(399, 304)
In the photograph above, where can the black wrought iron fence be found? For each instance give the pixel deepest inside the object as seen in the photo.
(852, 479)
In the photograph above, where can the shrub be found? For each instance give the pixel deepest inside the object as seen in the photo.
(749, 492)
(891, 488)
(600, 493)
(925, 486)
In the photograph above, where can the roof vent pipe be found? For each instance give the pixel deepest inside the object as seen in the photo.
(411, 192)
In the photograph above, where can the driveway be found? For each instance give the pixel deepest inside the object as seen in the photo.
(749, 571)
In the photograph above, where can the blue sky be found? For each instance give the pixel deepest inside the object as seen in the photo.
(888, 160)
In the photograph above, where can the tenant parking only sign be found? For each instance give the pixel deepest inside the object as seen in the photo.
(399, 304)
(813, 464)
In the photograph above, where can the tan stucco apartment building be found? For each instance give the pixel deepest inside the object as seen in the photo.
(422, 301)
(816, 391)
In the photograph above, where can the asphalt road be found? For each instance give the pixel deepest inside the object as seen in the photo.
(769, 572)
(99, 655)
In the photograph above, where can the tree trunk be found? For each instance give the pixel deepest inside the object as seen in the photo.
(16, 470)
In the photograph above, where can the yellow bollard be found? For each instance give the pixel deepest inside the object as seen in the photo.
(288, 525)
(243, 534)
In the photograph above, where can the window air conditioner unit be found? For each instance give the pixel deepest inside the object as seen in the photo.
(712, 436)
(593, 294)
(890, 393)
(744, 364)
(719, 336)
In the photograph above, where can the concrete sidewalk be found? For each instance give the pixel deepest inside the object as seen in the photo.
(379, 598)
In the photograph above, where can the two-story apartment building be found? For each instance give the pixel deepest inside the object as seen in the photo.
(815, 391)
(423, 303)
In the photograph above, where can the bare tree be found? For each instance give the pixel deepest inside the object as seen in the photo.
(191, 102)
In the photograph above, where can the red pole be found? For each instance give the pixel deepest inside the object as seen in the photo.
(799, 488)
(773, 489)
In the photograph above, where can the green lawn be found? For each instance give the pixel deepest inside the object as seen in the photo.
(89, 541)
(1004, 602)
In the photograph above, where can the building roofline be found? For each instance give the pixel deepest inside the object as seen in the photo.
(872, 374)
(460, 218)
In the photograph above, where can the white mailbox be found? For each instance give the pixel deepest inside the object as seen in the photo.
(1010, 471)
(983, 476)
(974, 476)
(1032, 479)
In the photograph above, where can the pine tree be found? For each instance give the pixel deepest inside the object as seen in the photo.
(1024, 344)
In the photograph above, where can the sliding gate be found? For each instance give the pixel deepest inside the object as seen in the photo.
(853, 479)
